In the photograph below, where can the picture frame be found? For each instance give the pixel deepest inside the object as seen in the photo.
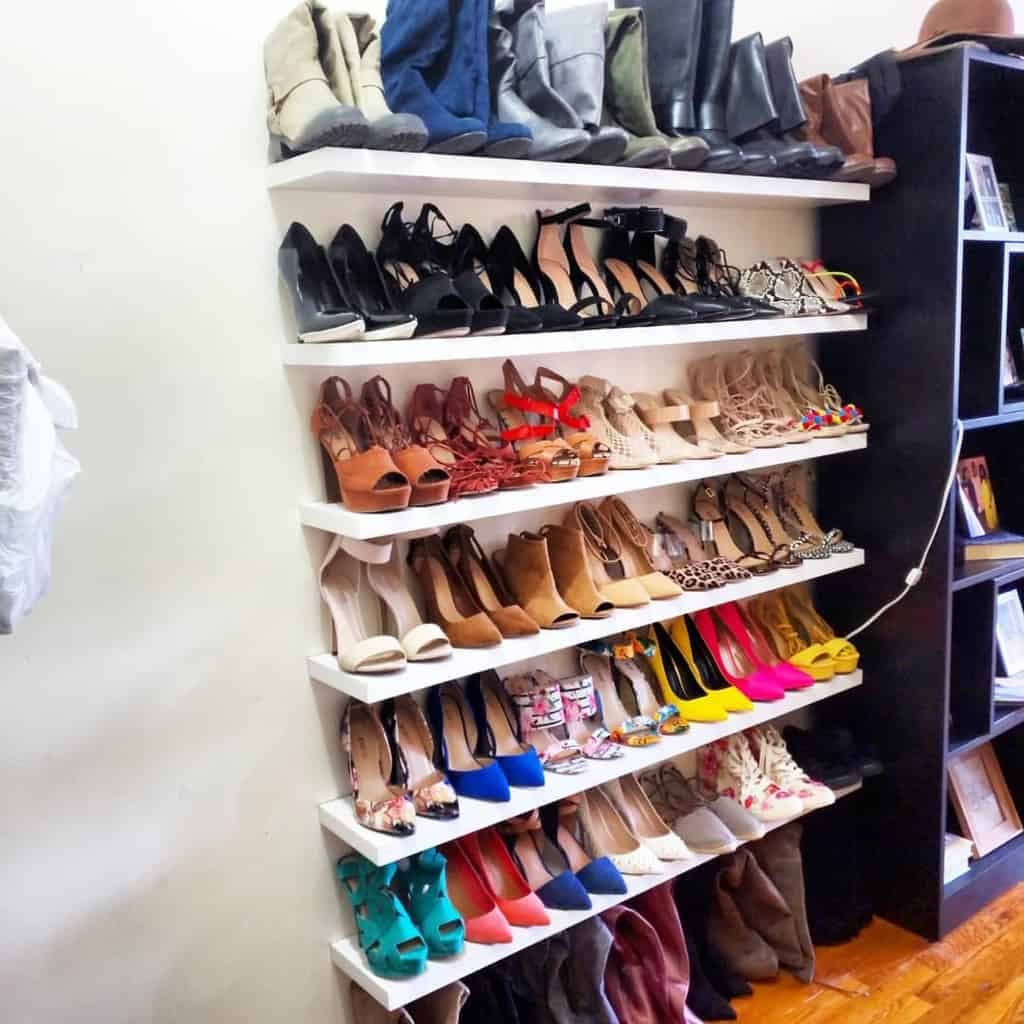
(1010, 632)
(985, 188)
(1009, 210)
(982, 801)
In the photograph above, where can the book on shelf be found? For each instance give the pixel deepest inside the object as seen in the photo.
(981, 536)
(956, 857)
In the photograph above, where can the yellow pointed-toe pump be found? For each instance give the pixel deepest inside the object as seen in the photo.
(704, 668)
(679, 685)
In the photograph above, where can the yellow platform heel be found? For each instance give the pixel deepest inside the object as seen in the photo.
(772, 615)
(817, 631)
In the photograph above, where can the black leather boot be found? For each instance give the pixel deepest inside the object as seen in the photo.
(752, 115)
(673, 41)
(825, 159)
(710, 87)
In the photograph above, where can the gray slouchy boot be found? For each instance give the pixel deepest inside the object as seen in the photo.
(549, 141)
(350, 55)
(779, 857)
(301, 109)
(740, 946)
(575, 44)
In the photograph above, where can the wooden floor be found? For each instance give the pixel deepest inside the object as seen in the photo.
(888, 976)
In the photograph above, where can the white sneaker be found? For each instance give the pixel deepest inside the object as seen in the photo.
(728, 767)
(775, 760)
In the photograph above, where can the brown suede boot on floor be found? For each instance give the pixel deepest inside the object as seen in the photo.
(739, 946)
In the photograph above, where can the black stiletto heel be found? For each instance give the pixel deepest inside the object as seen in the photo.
(321, 314)
(363, 287)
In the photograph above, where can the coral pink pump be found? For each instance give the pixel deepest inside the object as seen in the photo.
(497, 870)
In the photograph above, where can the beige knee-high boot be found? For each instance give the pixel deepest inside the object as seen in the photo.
(301, 109)
(350, 54)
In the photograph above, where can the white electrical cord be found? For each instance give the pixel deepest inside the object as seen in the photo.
(914, 576)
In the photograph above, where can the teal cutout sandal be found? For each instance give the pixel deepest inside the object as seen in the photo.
(426, 894)
(393, 946)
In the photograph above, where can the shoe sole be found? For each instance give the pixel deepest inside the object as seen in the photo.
(399, 333)
(347, 332)
(452, 332)
(508, 149)
(488, 332)
(345, 136)
(459, 145)
(402, 142)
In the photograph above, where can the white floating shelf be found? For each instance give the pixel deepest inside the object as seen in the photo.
(396, 174)
(335, 518)
(510, 346)
(394, 994)
(338, 816)
(463, 662)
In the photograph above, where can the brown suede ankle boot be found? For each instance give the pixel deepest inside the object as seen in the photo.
(527, 569)
(568, 556)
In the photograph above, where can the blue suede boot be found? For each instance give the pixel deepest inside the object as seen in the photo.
(509, 139)
(428, 61)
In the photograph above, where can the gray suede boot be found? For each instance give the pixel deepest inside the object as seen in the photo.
(302, 112)
(779, 856)
(441, 1007)
(549, 141)
(350, 55)
(575, 44)
(366, 1009)
(741, 948)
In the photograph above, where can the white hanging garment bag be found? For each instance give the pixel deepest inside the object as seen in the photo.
(36, 471)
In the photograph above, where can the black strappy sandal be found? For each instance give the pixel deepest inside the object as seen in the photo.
(418, 285)
(442, 247)
(557, 265)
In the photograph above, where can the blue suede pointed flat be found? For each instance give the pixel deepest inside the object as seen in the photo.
(456, 739)
(600, 876)
(498, 732)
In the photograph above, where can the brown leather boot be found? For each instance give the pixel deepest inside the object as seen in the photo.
(527, 569)
(846, 123)
(812, 92)
(568, 555)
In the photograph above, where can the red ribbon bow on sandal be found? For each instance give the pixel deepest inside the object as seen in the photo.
(556, 413)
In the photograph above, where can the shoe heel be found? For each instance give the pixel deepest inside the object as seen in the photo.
(332, 488)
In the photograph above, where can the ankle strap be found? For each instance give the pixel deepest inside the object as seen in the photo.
(572, 213)
(644, 219)
(367, 551)
(674, 228)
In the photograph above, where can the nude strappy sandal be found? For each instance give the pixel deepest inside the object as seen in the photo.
(421, 641)
(663, 420)
(706, 436)
(357, 651)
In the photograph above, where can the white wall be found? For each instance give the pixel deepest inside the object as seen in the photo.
(161, 750)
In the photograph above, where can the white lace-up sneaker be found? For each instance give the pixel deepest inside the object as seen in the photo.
(775, 760)
(729, 768)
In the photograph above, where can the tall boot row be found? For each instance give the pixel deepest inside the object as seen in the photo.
(649, 83)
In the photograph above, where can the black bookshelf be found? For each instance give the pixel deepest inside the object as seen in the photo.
(934, 355)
